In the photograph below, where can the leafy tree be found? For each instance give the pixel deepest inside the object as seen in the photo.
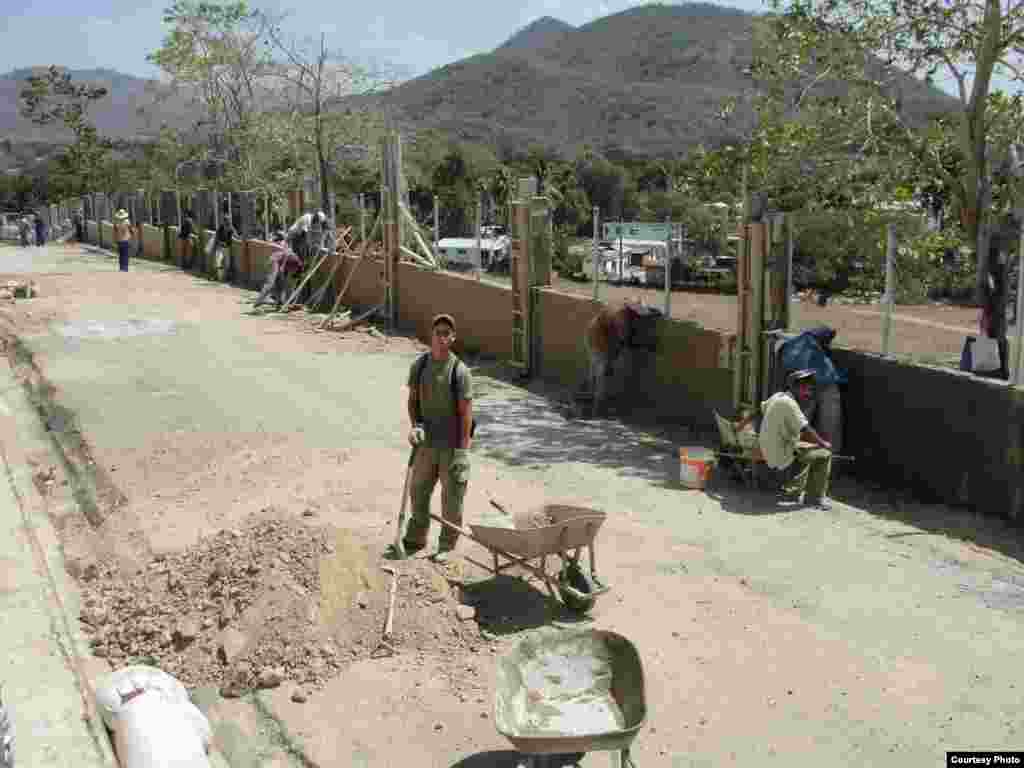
(54, 97)
(869, 47)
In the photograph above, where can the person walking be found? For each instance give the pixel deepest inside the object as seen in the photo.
(40, 231)
(123, 238)
(25, 230)
(440, 407)
(223, 257)
(283, 261)
(79, 229)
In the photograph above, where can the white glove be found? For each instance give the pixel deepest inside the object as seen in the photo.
(417, 435)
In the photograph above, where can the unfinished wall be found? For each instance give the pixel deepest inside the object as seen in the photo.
(482, 311)
(254, 264)
(950, 436)
(90, 232)
(367, 286)
(681, 379)
(107, 233)
(152, 243)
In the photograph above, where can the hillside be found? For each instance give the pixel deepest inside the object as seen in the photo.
(648, 81)
(133, 109)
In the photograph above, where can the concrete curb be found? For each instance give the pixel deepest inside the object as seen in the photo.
(43, 665)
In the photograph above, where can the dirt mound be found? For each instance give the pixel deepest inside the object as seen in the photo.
(275, 600)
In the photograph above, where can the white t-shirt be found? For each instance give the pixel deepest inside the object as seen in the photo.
(302, 224)
(780, 429)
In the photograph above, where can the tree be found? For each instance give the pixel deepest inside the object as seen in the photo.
(214, 48)
(870, 47)
(318, 76)
(54, 97)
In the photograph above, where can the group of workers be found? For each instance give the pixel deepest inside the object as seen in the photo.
(292, 252)
(800, 426)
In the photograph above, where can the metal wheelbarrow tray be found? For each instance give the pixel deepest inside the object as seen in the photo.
(571, 530)
(571, 691)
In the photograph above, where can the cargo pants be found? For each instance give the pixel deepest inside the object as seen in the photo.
(451, 466)
(815, 469)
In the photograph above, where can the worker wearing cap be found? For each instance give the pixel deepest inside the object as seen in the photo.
(441, 411)
(784, 426)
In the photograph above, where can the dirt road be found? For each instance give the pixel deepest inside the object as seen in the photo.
(861, 636)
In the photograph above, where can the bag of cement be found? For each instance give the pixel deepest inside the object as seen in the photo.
(154, 722)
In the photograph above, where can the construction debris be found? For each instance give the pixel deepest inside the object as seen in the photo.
(275, 601)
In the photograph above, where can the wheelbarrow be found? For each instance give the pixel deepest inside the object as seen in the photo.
(563, 693)
(570, 531)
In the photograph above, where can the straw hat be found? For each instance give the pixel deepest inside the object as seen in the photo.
(121, 214)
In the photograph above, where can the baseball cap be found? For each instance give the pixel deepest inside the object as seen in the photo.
(443, 318)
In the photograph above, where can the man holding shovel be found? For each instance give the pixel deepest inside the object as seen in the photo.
(441, 411)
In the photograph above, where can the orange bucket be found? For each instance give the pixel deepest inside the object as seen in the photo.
(695, 467)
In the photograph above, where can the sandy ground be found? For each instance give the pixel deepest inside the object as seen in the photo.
(882, 633)
(932, 333)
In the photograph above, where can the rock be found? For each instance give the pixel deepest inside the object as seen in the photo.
(465, 612)
(299, 696)
(270, 677)
(438, 727)
(309, 513)
(230, 644)
(187, 630)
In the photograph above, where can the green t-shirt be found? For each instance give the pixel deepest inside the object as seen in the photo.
(437, 409)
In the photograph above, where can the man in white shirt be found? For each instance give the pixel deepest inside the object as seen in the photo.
(784, 427)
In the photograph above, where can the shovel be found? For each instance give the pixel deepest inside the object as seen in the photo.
(399, 545)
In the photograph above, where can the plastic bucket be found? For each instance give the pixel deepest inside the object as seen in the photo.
(695, 466)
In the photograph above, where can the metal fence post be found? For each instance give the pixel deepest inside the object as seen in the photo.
(890, 287)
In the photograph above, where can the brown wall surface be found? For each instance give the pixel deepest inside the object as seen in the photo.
(680, 379)
(256, 262)
(482, 311)
(366, 288)
(152, 242)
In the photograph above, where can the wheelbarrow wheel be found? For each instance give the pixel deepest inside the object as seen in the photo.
(576, 589)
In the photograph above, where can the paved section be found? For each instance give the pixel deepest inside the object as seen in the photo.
(863, 636)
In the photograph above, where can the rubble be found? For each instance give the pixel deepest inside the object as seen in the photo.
(273, 601)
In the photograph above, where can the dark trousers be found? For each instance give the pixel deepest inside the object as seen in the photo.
(124, 250)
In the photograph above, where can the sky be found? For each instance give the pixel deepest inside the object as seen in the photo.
(407, 38)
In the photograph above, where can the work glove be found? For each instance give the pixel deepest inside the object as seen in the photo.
(417, 435)
(459, 468)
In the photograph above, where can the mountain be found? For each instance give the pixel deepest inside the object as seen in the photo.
(133, 109)
(647, 81)
(545, 32)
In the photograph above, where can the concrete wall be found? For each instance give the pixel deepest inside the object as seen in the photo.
(367, 286)
(152, 243)
(482, 311)
(255, 262)
(681, 379)
(90, 232)
(950, 436)
(107, 233)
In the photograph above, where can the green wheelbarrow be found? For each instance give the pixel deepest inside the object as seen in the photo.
(564, 693)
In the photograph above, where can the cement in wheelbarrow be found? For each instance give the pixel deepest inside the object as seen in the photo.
(562, 691)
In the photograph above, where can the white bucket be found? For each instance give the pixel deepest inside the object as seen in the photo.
(695, 466)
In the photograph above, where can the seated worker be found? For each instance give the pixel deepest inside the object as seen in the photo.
(813, 349)
(783, 428)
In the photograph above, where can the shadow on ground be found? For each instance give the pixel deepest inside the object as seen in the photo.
(531, 424)
(506, 605)
(510, 759)
(534, 426)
